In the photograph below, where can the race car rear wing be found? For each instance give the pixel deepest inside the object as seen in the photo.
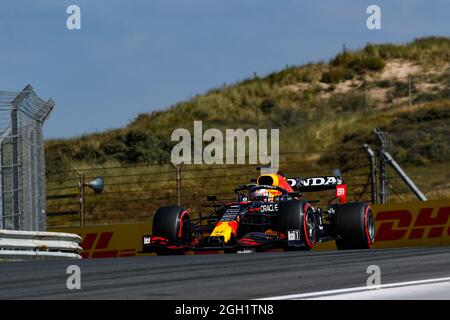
(312, 184)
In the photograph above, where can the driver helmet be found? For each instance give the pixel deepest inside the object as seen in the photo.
(264, 195)
(260, 194)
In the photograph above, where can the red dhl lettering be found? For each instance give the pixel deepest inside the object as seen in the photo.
(397, 224)
(99, 250)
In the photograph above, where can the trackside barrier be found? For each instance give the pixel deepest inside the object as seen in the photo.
(422, 223)
(26, 245)
(412, 224)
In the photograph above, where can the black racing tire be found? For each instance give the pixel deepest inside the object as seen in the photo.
(173, 223)
(354, 226)
(298, 215)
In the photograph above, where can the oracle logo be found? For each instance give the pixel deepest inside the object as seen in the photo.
(400, 224)
(269, 207)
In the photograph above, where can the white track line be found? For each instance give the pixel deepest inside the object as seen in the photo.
(354, 289)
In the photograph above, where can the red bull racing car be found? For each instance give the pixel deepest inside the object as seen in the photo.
(268, 214)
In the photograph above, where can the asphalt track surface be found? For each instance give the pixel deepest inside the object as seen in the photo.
(219, 276)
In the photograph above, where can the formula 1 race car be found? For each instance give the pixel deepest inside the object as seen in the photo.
(268, 214)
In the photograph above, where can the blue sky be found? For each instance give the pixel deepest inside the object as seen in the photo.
(137, 56)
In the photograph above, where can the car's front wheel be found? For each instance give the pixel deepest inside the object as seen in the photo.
(298, 216)
(174, 224)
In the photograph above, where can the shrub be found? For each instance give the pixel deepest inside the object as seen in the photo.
(371, 50)
(137, 145)
(350, 101)
(113, 148)
(143, 147)
(334, 75)
(384, 84)
(372, 63)
(343, 59)
(267, 105)
(56, 162)
(359, 62)
(430, 96)
(401, 89)
(89, 153)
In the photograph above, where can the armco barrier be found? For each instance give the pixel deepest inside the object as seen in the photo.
(397, 225)
(25, 245)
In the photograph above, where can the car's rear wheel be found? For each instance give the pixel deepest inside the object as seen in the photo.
(174, 224)
(355, 226)
(298, 215)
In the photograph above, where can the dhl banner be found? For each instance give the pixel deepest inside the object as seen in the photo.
(120, 240)
(412, 224)
(397, 225)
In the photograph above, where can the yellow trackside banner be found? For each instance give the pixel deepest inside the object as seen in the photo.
(120, 240)
(397, 225)
(411, 224)
(422, 223)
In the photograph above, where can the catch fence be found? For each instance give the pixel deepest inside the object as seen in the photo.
(22, 167)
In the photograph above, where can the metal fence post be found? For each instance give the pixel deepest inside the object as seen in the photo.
(373, 173)
(83, 222)
(81, 195)
(15, 155)
(15, 169)
(2, 187)
(383, 172)
(178, 171)
(405, 177)
(22, 159)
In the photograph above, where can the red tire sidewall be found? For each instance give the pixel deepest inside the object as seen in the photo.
(366, 227)
(308, 242)
(180, 231)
